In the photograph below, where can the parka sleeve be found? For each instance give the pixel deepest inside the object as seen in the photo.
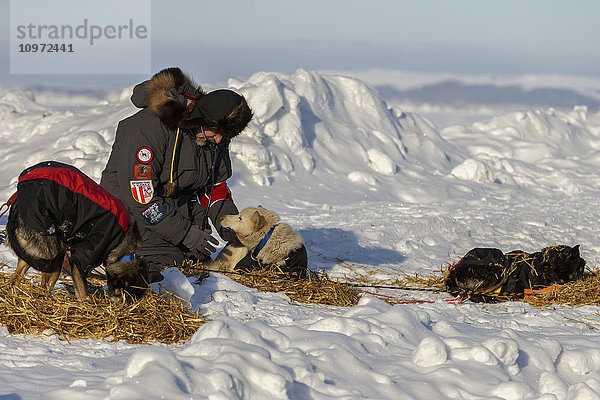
(222, 201)
(226, 206)
(142, 156)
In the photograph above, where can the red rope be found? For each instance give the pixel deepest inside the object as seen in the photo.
(458, 299)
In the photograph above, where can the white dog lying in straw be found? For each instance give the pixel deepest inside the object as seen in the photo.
(264, 243)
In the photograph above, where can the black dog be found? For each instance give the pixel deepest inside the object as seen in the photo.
(61, 219)
(483, 271)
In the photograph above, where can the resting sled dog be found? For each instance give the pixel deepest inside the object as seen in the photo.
(63, 220)
(264, 243)
(485, 273)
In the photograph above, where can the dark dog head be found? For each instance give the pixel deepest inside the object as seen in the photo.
(129, 277)
(561, 264)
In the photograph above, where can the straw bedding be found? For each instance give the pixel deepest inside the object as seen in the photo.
(576, 293)
(26, 308)
(316, 289)
(320, 290)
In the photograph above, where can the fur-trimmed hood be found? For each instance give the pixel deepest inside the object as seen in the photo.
(222, 111)
(166, 96)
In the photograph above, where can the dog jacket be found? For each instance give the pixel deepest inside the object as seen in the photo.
(58, 199)
(485, 273)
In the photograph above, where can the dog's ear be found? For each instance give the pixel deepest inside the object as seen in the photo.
(576, 256)
(258, 221)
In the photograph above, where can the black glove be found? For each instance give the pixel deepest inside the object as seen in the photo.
(228, 235)
(199, 242)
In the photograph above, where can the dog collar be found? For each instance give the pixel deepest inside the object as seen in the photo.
(262, 243)
(127, 258)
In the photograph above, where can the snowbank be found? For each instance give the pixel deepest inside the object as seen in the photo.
(538, 149)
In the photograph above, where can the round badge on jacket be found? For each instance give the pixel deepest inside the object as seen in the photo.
(144, 155)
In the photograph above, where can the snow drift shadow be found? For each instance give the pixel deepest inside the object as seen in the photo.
(345, 244)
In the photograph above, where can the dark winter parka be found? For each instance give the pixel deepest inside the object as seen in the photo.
(159, 171)
(58, 199)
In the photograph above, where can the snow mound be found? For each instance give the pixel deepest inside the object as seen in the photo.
(538, 148)
(331, 126)
(31, 132)
(335, 129)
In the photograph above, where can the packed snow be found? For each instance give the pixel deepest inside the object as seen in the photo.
(376, 191)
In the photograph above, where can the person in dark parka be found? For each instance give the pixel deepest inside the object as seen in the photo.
(170, 162)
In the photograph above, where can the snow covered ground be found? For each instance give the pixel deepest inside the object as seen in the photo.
(375, 191)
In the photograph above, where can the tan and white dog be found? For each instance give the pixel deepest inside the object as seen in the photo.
(264, 242)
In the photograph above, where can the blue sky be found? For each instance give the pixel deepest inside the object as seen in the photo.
(220, 39)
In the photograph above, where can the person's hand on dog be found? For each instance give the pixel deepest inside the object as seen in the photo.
(200, 242)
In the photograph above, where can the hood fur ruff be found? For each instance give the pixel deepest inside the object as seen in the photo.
(229, 126)
(163, 97)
